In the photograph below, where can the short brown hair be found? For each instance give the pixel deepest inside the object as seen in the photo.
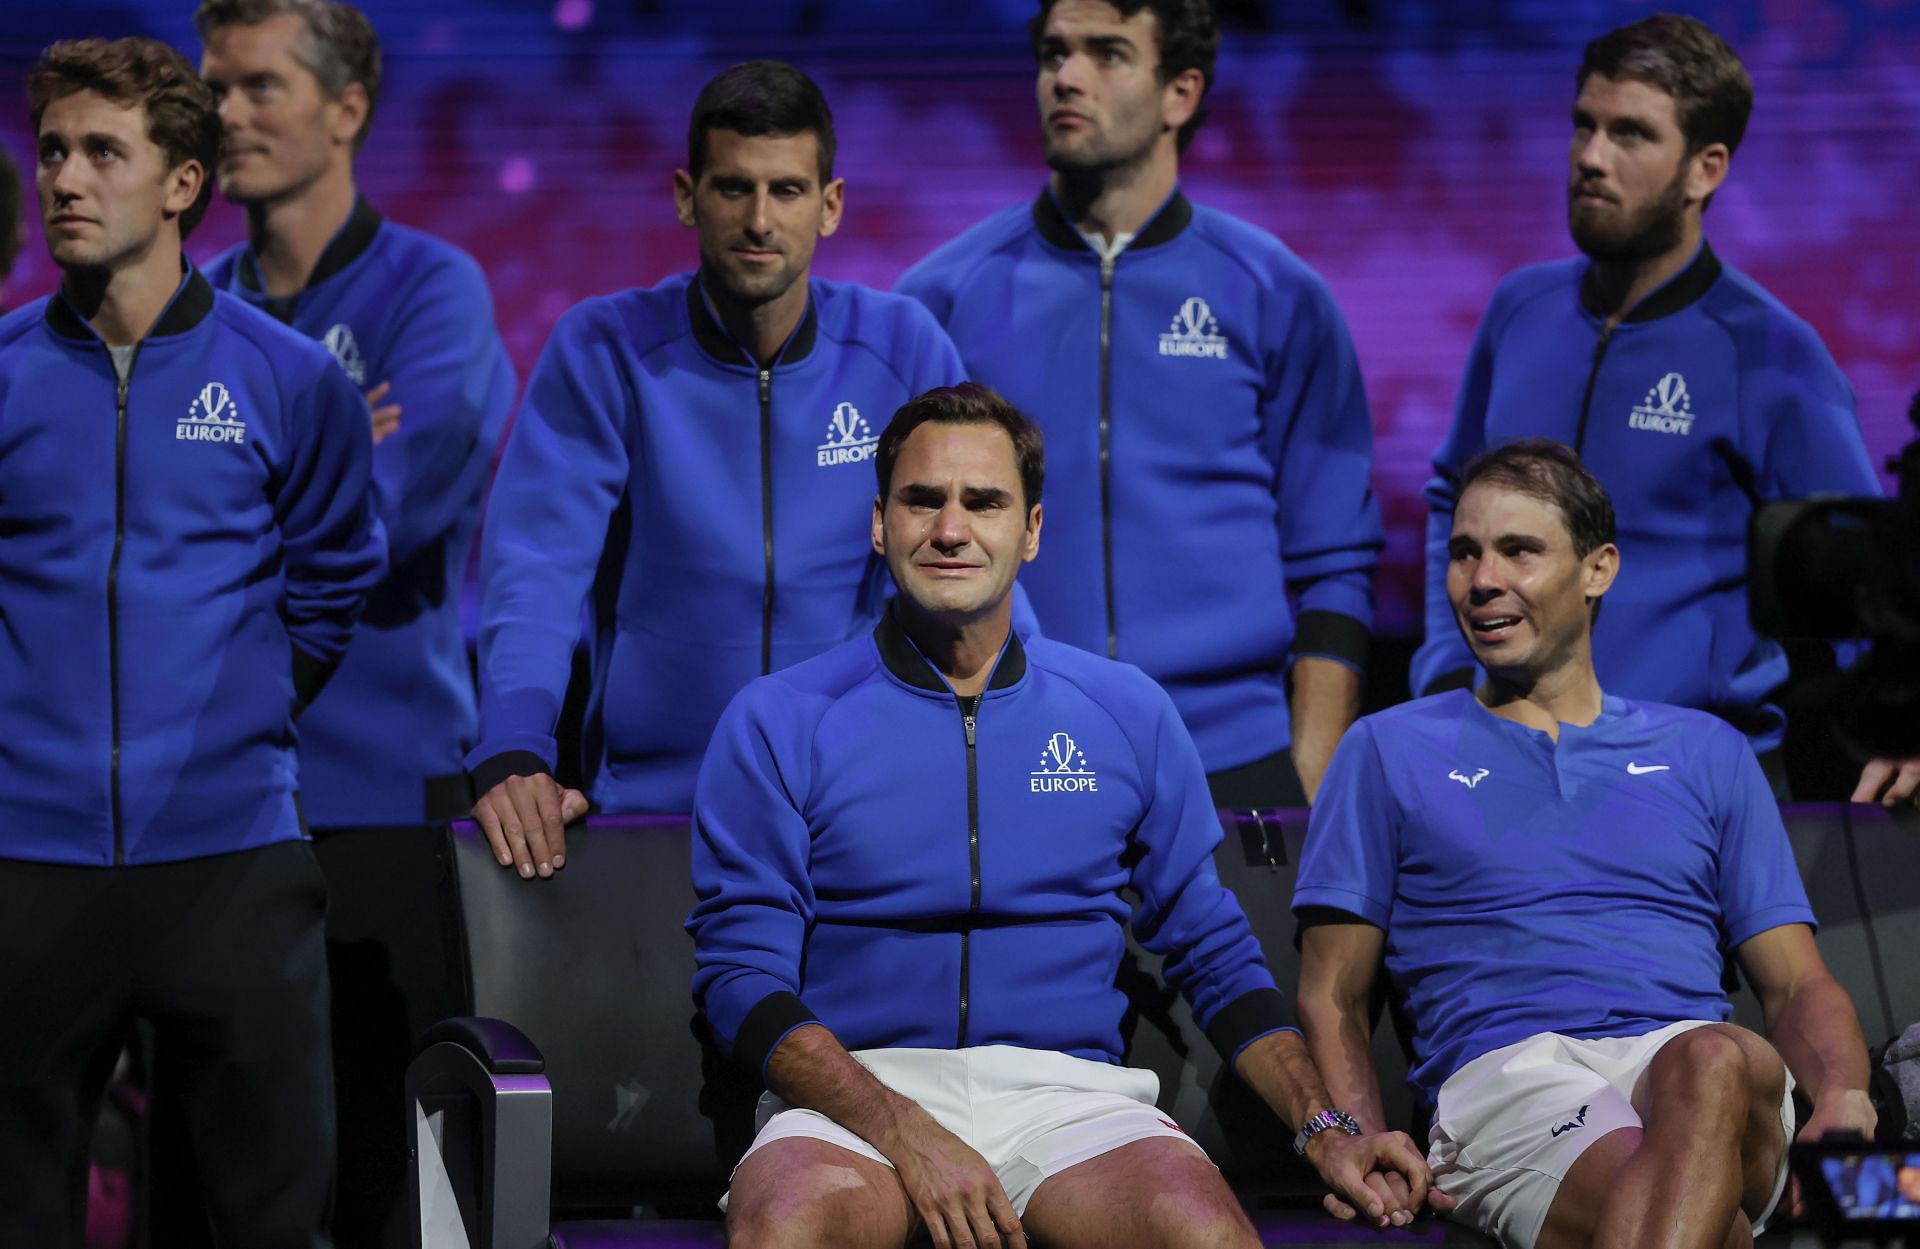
(969, 403)
(1552, 473)
(182, 118)
(1712, 94)
(337, 46)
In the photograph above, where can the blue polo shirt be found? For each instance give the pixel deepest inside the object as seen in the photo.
(1590, 886)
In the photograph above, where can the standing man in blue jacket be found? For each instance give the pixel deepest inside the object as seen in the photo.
(689, 463)
(925, 984)
(184, 490)
(1210, 439)
(410, 320)
(1693, 394)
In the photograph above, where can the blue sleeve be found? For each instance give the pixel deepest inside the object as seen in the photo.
(924, 283)
(1760, 885)
(1320, 436)
(453, 382)
(1444, 660)
(751, 853)
(1351, 858)
(936, 359)
(334, 547)
(1808, 419)
(561, 476)
(1185, 913)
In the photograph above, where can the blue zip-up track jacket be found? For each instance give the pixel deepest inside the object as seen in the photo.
(1208, 451)
(183, 558)
(717, 512)
(386, 743)
(1707, 400)
(916, 869)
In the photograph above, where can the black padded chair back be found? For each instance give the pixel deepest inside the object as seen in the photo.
(1861, 867)
(594, 967)
(1257, 861)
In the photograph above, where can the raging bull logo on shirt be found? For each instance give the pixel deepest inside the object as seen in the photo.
(1063, 769)
(212, 417)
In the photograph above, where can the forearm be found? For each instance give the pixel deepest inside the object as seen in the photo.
(1325, 699)
(1279, 1068)
(1818, 1034)
(812, 1070)
(1340, 1041)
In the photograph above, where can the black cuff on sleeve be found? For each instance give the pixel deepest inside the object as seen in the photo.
(1248, 1016)
(1458, 679)
(771, 1018)
(508, 763)
(309, 678)
(1333, 635)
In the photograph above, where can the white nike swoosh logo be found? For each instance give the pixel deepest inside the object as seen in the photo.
(1635, 769)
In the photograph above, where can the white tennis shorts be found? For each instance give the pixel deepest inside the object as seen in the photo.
(1511, 1122)
(1030, 1113)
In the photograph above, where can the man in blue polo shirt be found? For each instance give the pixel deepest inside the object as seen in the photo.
(1202, 403)
(690, 463)
(927, 986)
(1554, 875)
(1693, 394)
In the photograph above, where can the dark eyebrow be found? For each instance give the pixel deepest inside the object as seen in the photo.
(919, 494)
(986, 494)
(1105, 43)
(1531, 542)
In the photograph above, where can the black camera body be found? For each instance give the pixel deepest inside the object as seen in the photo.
(1842, 569)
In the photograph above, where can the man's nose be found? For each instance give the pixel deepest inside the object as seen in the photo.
(952, 527)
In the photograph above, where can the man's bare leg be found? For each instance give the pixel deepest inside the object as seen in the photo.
(1765, 1137)
(801, 1193)
(1150, 1193)
(1678, 1182)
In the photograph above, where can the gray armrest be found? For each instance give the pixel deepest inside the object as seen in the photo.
(481, 1136)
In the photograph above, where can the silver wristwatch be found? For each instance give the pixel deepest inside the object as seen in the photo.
(1320, 1123)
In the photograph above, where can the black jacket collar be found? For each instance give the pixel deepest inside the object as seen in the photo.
(1174, 216)
(189, 307)
(716, 342)
(1683, 289)
(347, 246)
(905, 661)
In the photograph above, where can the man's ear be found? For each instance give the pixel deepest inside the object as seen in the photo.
(878, 533)
(1030, 547)
(683, 196)
(351, 109)
(1706, 170)
(1180, 98)
(1599, 568)
(833, 201)
(183, 187)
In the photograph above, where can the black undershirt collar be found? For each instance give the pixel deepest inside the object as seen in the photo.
(1683, 289)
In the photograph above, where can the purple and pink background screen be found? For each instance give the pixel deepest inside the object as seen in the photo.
(1412, 153)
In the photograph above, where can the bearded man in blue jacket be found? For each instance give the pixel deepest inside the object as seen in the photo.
(689, 462)
(1693, 394)
(910, 853)
(1203, 407)
(189, 537)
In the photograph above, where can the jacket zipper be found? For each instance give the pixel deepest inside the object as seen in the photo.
(1593, 377)
(124, 381)
(969, 717)
(766, 518)
(1106, 447)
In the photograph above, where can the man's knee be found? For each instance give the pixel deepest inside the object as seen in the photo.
(1704, 1065)
(817, 1197)
(1202, 1218)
